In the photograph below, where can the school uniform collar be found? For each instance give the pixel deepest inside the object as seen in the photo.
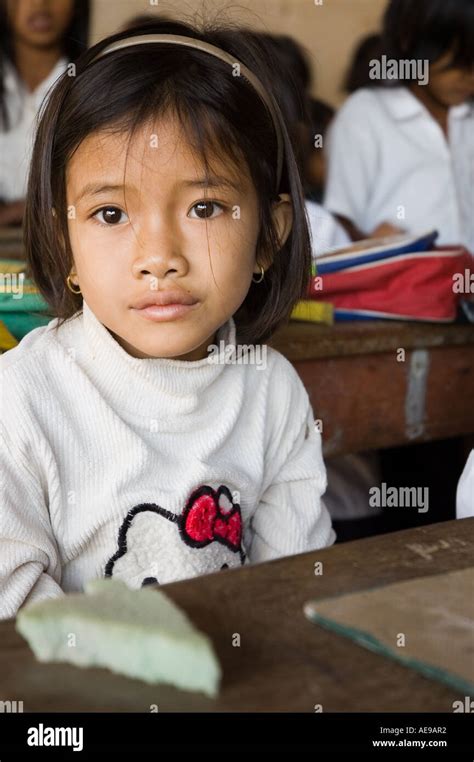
(402, 104)
(13, 83)
(11, 80)
(462, 111)
(159, 388)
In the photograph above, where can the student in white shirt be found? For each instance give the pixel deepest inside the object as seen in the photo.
(148, 433)
(326, 231)
(465, 490)
(401, 153)
(38, 40)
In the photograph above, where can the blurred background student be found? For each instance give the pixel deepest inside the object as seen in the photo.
(38, 38)
(401, 154)
(293, 83)
(465, 490)
(358, 71)
(315, 170)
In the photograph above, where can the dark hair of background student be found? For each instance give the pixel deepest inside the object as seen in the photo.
(357, 74)
(430, 30)
(291, 82)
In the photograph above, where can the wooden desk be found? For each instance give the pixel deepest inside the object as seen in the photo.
(284, 662)
(367, 396)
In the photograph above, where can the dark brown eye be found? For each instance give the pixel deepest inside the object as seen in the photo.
(206, 209)
(110, 215)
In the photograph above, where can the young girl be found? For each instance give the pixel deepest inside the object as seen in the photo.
(165, 225)
(401, 153)
(37, 41)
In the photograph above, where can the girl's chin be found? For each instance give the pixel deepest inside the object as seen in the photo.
(153, 351)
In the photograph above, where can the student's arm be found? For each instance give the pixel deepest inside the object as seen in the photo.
(291, 516)
(352, 231)
(381, 231)
(29, 560)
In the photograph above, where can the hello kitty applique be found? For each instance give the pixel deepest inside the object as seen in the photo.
(158, 546)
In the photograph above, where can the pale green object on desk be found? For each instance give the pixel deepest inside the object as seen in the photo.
(138, 633)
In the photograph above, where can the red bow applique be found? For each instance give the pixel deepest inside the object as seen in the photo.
(204, 521)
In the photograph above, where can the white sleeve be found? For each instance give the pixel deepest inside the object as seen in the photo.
(339, 236)
(325, 231)
(465, 491)
(29, 560)
(291, 516)
(351, 152)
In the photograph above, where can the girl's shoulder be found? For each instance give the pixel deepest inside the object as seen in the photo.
(370, 101)
(23, 370)
(29, 354)
(362, 99)
(31, 377)
(288, 409)
(285, 387)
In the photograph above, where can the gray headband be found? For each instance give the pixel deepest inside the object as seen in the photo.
(190, 42)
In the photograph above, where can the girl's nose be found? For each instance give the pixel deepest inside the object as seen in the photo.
(159, 256)
(159, 267)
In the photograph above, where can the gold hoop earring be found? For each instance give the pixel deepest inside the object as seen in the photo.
(70, 285)
(262, 275)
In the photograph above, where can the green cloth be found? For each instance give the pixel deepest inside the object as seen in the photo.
(21, 310)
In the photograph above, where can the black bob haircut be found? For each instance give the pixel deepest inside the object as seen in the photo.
(430, 29)
(220, 114)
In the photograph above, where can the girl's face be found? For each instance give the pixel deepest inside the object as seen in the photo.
(450, 86)
(39, 23)
(164, 232)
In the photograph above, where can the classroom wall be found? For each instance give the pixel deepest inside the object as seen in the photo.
(328, 29)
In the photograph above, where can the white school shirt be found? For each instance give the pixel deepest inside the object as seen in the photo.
(149, 469)
(388, 156)
(16, 145)
(325, 231)
(465, 490)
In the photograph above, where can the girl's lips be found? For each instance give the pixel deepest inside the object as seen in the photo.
(40, 22)
(164, 313)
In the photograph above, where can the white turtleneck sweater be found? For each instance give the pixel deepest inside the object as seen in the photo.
(150, 470)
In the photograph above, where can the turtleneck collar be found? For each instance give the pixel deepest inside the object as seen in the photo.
(155, 388)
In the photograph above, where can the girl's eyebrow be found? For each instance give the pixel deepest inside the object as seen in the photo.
(93, 189)
(214, 181)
